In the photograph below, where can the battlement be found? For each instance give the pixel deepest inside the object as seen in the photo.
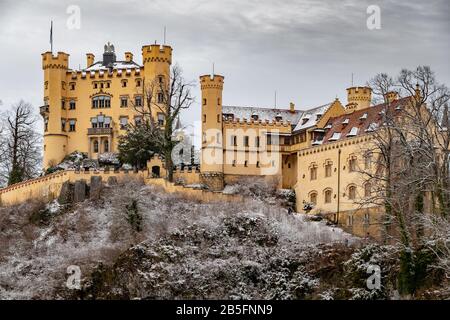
(60, 61)
(253, 122)
(211, 81)
(359, 93)
(100, 74)
(156, 53)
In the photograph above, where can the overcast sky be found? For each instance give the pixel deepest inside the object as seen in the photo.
(305, 50)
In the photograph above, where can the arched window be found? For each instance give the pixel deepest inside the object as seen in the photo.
(100, 102)
(327, 194)
(313, 197)
(352, 192)
(95, 146)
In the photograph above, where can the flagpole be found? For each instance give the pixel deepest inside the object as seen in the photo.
(51, 36)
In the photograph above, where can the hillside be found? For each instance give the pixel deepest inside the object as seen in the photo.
(138, 242)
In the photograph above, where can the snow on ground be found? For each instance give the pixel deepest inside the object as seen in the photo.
(35, 255)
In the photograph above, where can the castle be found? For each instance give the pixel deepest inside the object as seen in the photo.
(318, 152)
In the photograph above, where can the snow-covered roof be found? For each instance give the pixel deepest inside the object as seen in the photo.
(116, 65)
(310, 117)
(263, 114)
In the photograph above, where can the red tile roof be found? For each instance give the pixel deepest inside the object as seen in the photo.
(362, 120)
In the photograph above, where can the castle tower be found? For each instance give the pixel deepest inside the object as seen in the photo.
(53, 111)
(212, 140)
(156, 60)
(358, 98)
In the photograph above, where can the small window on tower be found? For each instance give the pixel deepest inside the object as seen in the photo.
(204, 118)
(124, 83)
(218, 118)
(160, 97)
(72, 86)
(204, 102)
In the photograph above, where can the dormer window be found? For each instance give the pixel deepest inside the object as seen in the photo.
(328, 126)
(278, 117)
(353, 132)
(318, 116)
(346, 121)
(335, 136)
(363, 117)
(304, 121)
(255, 116)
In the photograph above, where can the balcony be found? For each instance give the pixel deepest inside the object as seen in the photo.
(99, 131)
(43, 110)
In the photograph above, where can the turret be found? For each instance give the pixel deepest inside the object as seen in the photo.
(358, 98)
(53, 111)
(156, 60)
(212, 140)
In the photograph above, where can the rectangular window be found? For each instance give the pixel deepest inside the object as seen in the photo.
(137, 121)
(368, 162)
(63, 104)
(138, 101)
(72, 125)
(204, 118)
(245, 141)
(269, 140)
(233, 141)
(160, 97)
(123, 102)
(123, 122)
(352, 165)
(124, 84)
(63, 124)
(328, 170)
(257, 142)
(160, 119)
(72, 105)
(313, 173)
(72, 86)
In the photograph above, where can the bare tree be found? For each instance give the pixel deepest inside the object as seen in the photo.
(20, 147)
(164, 98)
(410, 148)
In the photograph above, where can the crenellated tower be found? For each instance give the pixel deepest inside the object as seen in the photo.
(358, 98)
(156, 60)
(212, 140)
(54, 108)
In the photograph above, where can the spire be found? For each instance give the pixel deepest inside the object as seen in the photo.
(178, 124)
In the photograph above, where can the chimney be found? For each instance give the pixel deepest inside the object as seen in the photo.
(128, 56)
(89, 59)
(391, 96)
(292, 107)
(109, 56)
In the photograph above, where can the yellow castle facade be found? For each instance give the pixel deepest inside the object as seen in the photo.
(319, 151)
(87, 110)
